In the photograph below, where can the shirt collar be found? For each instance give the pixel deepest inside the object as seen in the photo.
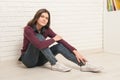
(35, 29)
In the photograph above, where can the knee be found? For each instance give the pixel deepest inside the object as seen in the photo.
(40, 37)
(57, 46)
(60, 46)
(37, 35)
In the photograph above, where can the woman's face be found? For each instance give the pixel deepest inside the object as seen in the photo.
(43, 19)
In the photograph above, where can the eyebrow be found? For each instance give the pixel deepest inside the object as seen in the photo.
(45, 16)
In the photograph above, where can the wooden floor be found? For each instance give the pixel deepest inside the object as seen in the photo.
(13, 70)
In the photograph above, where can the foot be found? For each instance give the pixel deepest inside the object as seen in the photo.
(60, 67)
(47, 65)
(90, 68)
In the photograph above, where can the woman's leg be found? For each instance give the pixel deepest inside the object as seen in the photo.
(32, 55)
(59, 48)
(42, 59)
(47, 55)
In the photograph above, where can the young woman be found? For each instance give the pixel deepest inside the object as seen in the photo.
(36, 50)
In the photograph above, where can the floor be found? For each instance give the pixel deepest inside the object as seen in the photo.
(13, 70)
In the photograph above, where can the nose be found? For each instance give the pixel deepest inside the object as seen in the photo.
(44, 19)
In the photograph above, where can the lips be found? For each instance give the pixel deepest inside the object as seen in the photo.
(44, 23)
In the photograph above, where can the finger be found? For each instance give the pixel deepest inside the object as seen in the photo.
(83, 61)
(78, 60)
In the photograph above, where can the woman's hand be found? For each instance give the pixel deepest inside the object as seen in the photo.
(57, 38)
(79, 57)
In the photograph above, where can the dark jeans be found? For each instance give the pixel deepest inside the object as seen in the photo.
(35, 57)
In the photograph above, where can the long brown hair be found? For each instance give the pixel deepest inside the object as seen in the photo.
(36, 17)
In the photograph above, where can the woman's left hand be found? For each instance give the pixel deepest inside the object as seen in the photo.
(79, 57)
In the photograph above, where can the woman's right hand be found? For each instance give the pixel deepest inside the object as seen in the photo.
(57, 38)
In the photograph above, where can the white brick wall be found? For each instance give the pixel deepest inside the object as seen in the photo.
(77, 21)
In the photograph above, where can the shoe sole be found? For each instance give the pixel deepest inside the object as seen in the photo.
(95, 71)
(61, 70)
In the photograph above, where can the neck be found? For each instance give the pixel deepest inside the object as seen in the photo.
(38, 27)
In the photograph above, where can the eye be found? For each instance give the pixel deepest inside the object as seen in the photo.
(47, 18)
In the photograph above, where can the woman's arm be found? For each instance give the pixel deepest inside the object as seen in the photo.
(52, 34)
(67, 45)
(29, 33)
(79, 57)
